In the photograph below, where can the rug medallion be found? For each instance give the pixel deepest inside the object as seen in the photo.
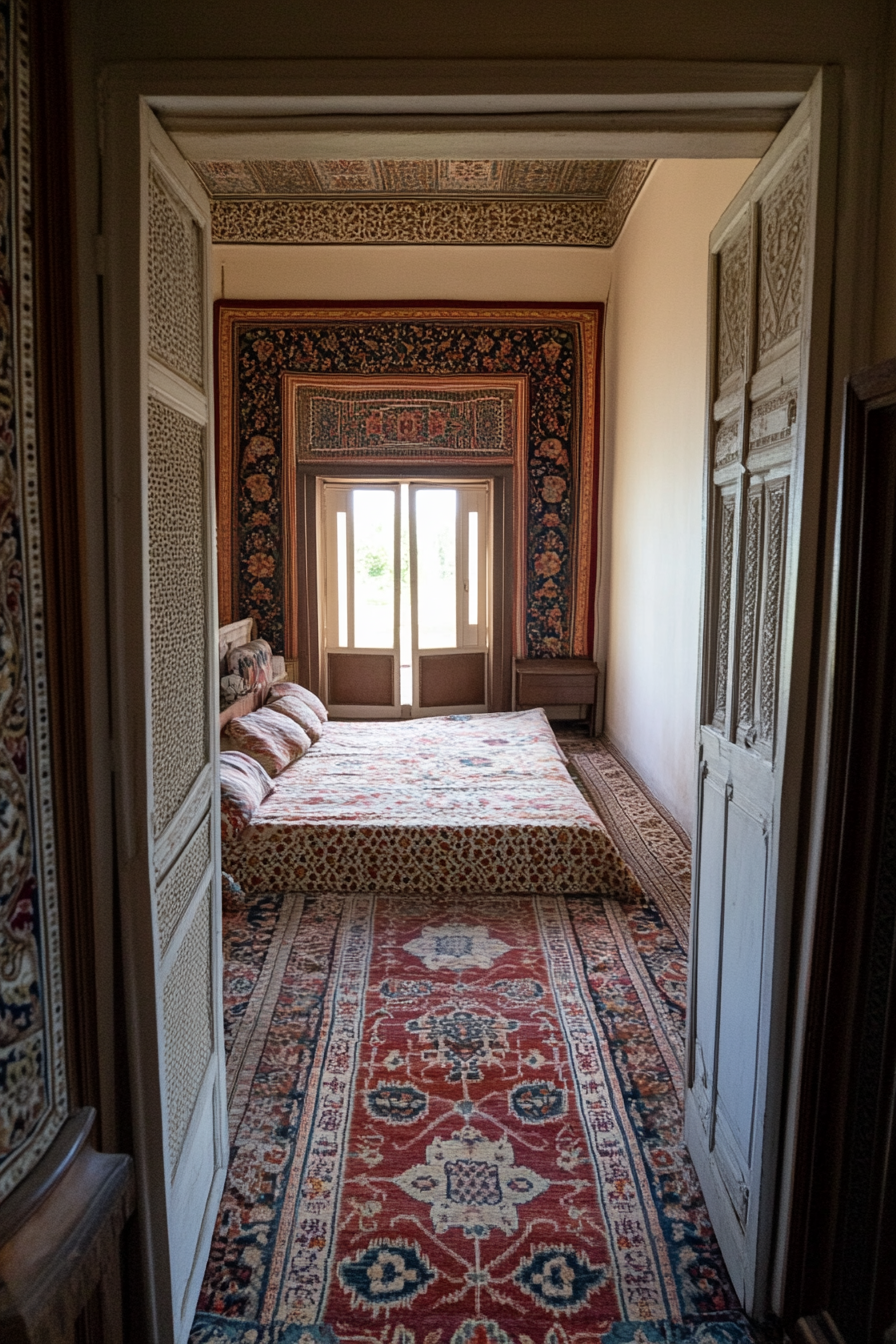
(463, 1125)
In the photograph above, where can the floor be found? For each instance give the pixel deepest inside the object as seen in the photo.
(458, 1120)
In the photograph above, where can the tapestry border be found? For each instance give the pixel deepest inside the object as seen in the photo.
(587, 319)
(292, 382)
(24, 509)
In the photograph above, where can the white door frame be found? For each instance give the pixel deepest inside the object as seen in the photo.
(621, 108)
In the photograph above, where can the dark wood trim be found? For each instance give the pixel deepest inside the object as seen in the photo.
(820, 1329)
(58, 430)
(841, 1237)
(59, 1240)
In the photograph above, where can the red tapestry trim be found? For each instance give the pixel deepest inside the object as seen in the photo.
(403, 421)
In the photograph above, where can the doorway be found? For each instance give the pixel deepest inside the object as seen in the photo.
(121, 180)
(405, 596)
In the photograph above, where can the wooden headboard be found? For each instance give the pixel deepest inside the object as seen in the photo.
(232, 637)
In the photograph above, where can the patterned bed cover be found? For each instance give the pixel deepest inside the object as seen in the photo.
(462, 803)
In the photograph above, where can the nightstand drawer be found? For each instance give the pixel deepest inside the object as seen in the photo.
(558, 688)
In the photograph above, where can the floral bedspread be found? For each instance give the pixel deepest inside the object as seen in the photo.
(463, 803)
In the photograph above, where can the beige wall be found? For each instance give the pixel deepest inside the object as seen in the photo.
(654, 425)
(553, 274)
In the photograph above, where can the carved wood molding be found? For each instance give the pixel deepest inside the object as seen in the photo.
(449, 220)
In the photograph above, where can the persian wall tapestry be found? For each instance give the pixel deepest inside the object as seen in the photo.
(32, 1066)
(404, 384)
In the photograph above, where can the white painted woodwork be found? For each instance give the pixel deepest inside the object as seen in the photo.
(471, 637)
(769, 303)
(162, 593)
(338, 498)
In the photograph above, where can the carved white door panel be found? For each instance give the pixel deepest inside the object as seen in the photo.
(164, 655)
(769, 303)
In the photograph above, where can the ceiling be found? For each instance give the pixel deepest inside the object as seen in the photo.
(541, 202)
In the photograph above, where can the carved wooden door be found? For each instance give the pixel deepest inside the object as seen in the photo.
(163, 619)
(770, 282)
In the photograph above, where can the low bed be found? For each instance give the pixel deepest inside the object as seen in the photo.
(461, 803)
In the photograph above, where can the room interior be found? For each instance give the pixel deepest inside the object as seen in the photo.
(651, 488)
(653, 282)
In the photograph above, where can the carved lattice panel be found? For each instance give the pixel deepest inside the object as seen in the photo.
(187, 1014)
(773, 585)
(783, 225)
(746, 674)
(174, 283)
(177, 890)
(177, 598)
(733, 311)
(727, 523)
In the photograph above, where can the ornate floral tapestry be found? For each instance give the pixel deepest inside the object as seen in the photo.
(32, 1066)
(554, 348)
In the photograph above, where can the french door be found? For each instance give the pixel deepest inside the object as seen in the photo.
(362, 600)
(449, 528)
(405, 597)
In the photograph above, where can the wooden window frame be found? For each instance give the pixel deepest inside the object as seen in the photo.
(302, 529)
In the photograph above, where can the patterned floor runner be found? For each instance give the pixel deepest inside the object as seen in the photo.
(457, 1121)
(648, 837)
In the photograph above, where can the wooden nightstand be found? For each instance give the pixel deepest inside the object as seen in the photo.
(556, 681)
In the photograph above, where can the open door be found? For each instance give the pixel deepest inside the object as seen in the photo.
(164, 655)
(449, 555)
(361, 540)
(771, 258)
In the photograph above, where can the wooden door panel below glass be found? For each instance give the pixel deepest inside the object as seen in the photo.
(452, 679)
(361, 678)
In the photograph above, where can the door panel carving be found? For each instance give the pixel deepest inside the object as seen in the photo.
(785, 215)
(728, 509)
(776, 539)
(749, 619)
(734, 289)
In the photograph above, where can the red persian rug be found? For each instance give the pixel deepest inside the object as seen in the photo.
(458, 1121)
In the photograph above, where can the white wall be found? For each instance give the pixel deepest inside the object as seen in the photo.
(486, 274)
(655, 362)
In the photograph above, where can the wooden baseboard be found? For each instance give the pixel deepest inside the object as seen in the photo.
(59, 1236)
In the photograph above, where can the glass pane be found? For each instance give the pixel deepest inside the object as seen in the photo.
(342, 578)
(436, 569)
(374, 536)
(473, 569)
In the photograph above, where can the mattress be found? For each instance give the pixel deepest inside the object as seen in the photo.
(461, 803)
